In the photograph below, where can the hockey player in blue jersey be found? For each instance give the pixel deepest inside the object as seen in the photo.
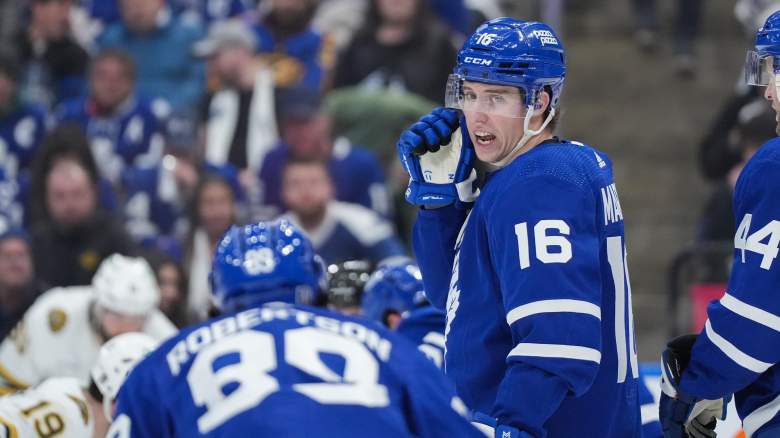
(739, 348)
(395, 296)
(393, 288)
(533, 278)
(282, 369)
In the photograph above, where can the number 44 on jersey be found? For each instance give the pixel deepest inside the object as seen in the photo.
(745, 241)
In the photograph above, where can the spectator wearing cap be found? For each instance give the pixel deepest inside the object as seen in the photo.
(18, 286)
(22, 126)
(215, 206)
(53, 63)
(300, 55)
(156, 198)
(160, 44)
(356, 173)
(339, 231)
(240, 126)
(71, 232)
(122, 127)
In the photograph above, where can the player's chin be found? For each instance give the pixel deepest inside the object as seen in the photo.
(486, 152)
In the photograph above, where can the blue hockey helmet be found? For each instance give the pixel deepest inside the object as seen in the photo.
(504, 51)
(394, 287)
(764, 60)
(264, 262)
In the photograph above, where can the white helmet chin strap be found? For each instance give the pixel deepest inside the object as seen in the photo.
(108, 407)
(777, 86)
(527, 135)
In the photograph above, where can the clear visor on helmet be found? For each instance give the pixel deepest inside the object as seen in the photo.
(759, 70)
(501, 100)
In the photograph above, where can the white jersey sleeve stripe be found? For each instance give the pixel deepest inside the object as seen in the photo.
(751, 312)
(552, 306)
(760, 417)
(734, 353)
(649, 413)
(557, 351)
(484, 428)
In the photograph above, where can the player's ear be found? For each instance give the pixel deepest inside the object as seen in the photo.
(542, 102)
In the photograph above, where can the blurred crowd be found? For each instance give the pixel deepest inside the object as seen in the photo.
(148, 127)
(744, 122)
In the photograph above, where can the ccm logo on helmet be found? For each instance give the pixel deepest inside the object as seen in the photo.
(477, 61)
(546, 37)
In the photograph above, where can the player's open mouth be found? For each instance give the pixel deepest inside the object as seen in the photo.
(484, 138)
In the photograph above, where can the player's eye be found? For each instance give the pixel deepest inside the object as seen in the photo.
(497, 99)
(470, 96)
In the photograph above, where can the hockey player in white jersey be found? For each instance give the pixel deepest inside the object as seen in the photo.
(62, 407)
(61, 334)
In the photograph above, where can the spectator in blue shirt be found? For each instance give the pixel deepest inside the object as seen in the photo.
(22, 126)
(160, 43)
(300, 55)
(122, 126)
(339, 231)
(356, 173)
(211, 11)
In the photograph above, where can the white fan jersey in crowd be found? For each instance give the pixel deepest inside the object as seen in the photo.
(56, 338)
(55, 408)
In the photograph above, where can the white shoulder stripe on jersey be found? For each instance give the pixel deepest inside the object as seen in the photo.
(760, 417)
(552, 306)
(751, 312)
(558, 351)
(734, 353)
(648, 413)
(435, 338)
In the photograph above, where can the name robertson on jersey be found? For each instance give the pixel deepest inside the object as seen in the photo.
(248, 319)
(612, 211)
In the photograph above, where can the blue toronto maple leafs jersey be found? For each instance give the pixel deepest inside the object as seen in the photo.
(356, 173)
(739, 348)
(292, 371)
(534, 282)
(651, 426)
(154, 204)
(21, 131)
(131, 136)
(424, 326)
(210, 11)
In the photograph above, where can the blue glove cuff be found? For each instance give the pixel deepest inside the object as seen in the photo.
(429, 194)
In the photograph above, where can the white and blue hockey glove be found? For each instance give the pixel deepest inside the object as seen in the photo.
(438, 155)
(682, 415)
(490, 427)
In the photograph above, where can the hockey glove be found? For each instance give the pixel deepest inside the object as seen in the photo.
(438, 155)
(490, 427)
(683, 415)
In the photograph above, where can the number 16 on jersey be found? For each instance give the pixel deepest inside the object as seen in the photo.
(556, 248)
